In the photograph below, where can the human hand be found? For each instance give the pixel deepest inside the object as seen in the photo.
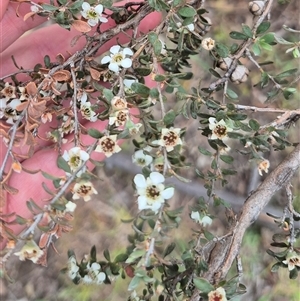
(29, 50)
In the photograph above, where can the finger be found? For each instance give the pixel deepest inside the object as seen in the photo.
(3, 6)
(29, 185)
(12, 27)
(51, 40)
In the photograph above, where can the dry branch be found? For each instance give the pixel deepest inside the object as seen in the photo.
(225, 250)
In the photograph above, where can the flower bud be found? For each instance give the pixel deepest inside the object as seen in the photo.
(256, 7)
(239, 75)
(208, 43)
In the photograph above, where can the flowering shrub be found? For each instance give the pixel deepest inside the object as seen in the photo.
(81, 107)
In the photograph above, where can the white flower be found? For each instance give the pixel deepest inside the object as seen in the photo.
(169, 138)
(75, 158)
(70, 206)
(30, 251)
(152, 193)
(263, 166)
(73, 268)
(219, 128)
(93, 274)
(218, 295)
(93, 14)
(118, 58)
(118, 118)
(8, 91)
(108, 145)
(292, 260)
(205, 221)
(8, 110)
(118, 103)
(141, 159)
(83, 189)
(86, 109)
(208, 43)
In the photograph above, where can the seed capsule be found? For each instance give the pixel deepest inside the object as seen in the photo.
(256, 7)
(239, 75)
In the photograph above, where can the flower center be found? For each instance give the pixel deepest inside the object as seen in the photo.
(216, 297)
(152, 193)
(84, 190)
(86, 111)
(9, 112)
(118, 58)
(8, 92)
(75, 161)
(220, 130)
(122, 117)
(141, 161)
(170, 138)
(295, 261)
(108, 145)
(92, 14)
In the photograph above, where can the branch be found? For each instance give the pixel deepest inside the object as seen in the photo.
(227, 248)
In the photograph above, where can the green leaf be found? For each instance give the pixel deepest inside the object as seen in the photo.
(203, 285)
(228, 172)
(76, 6)
(93, 253)
(106, 255)
(256, 49)
(95, 133)
(254, 124)
(159, 78)
(282, 41)
(287, 73)
(135, 281)
(121, 258)
(247, 31)
(169, 118)
(268, 38)
(49, 7)
(234, 135)
(214, 164)
(140, 89)
(293, 273)
(108, 94)
(187, 11)
(169, 249)
(63, 164)
(214, 73)
(265, 46)
(222, 50)
(231, 94)
(204, 151)
(134, 255)
(263, 27)
(227, 159)
(48, 176)
(238, 35)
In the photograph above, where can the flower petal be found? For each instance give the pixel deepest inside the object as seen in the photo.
(115, 49)
(85, 6)
(106, 59)
(126, 63)
(140, 181)
(156, 178)
(114, 67)
(127, 51)
(99, 9)
(168, 193)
